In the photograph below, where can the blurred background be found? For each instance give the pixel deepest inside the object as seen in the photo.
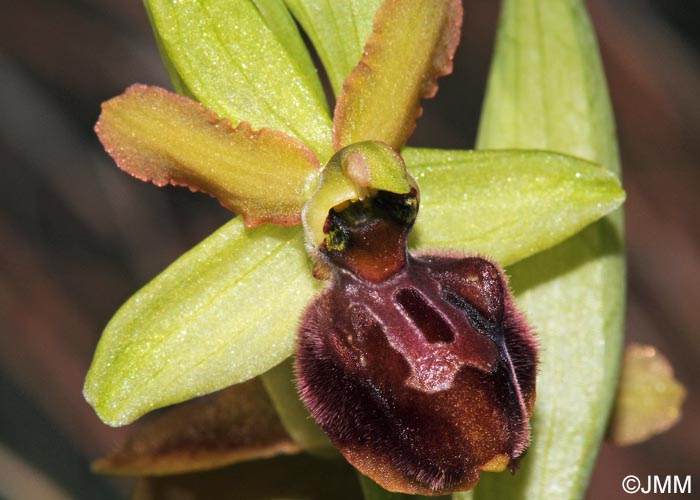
(77, 236)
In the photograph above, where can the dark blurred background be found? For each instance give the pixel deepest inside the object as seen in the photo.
(77, 236)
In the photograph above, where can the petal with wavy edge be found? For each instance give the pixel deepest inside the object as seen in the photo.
(165, 138)
(411, 45)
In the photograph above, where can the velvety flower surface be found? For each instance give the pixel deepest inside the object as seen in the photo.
(419, 369)
(417, 366)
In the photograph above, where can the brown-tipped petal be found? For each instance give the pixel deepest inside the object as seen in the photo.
(158, 136)
(233, 425)
(411, 45)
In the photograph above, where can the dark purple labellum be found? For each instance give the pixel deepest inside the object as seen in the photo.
(419, 368)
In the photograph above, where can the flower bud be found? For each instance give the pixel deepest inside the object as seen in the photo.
(419, 368)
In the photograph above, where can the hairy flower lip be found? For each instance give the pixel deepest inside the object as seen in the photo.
(404, 361)
(420, 414)
(488, 464)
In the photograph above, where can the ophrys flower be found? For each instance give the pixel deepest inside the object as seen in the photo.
(227, 311)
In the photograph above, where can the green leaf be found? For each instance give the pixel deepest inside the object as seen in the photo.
(547, 91)
(338, 31)
(164, 138)
(463, 495)
(246, 63)
(223, 313)
(411, 45)
(546, 87)
(507, 205)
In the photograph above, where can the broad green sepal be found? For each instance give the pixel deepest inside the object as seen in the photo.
(547, 91)
(338, 31)
(280, 21)
(223, 313)
(506, 204)
(175, 79)
(245, 64)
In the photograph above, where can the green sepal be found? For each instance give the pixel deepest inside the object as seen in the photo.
(279, 19)
(175, 79)
(222, 313)
(338, 31)
(547, 90)
(245, 64)
(507, 204)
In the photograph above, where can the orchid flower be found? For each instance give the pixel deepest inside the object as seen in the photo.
(252, 127)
